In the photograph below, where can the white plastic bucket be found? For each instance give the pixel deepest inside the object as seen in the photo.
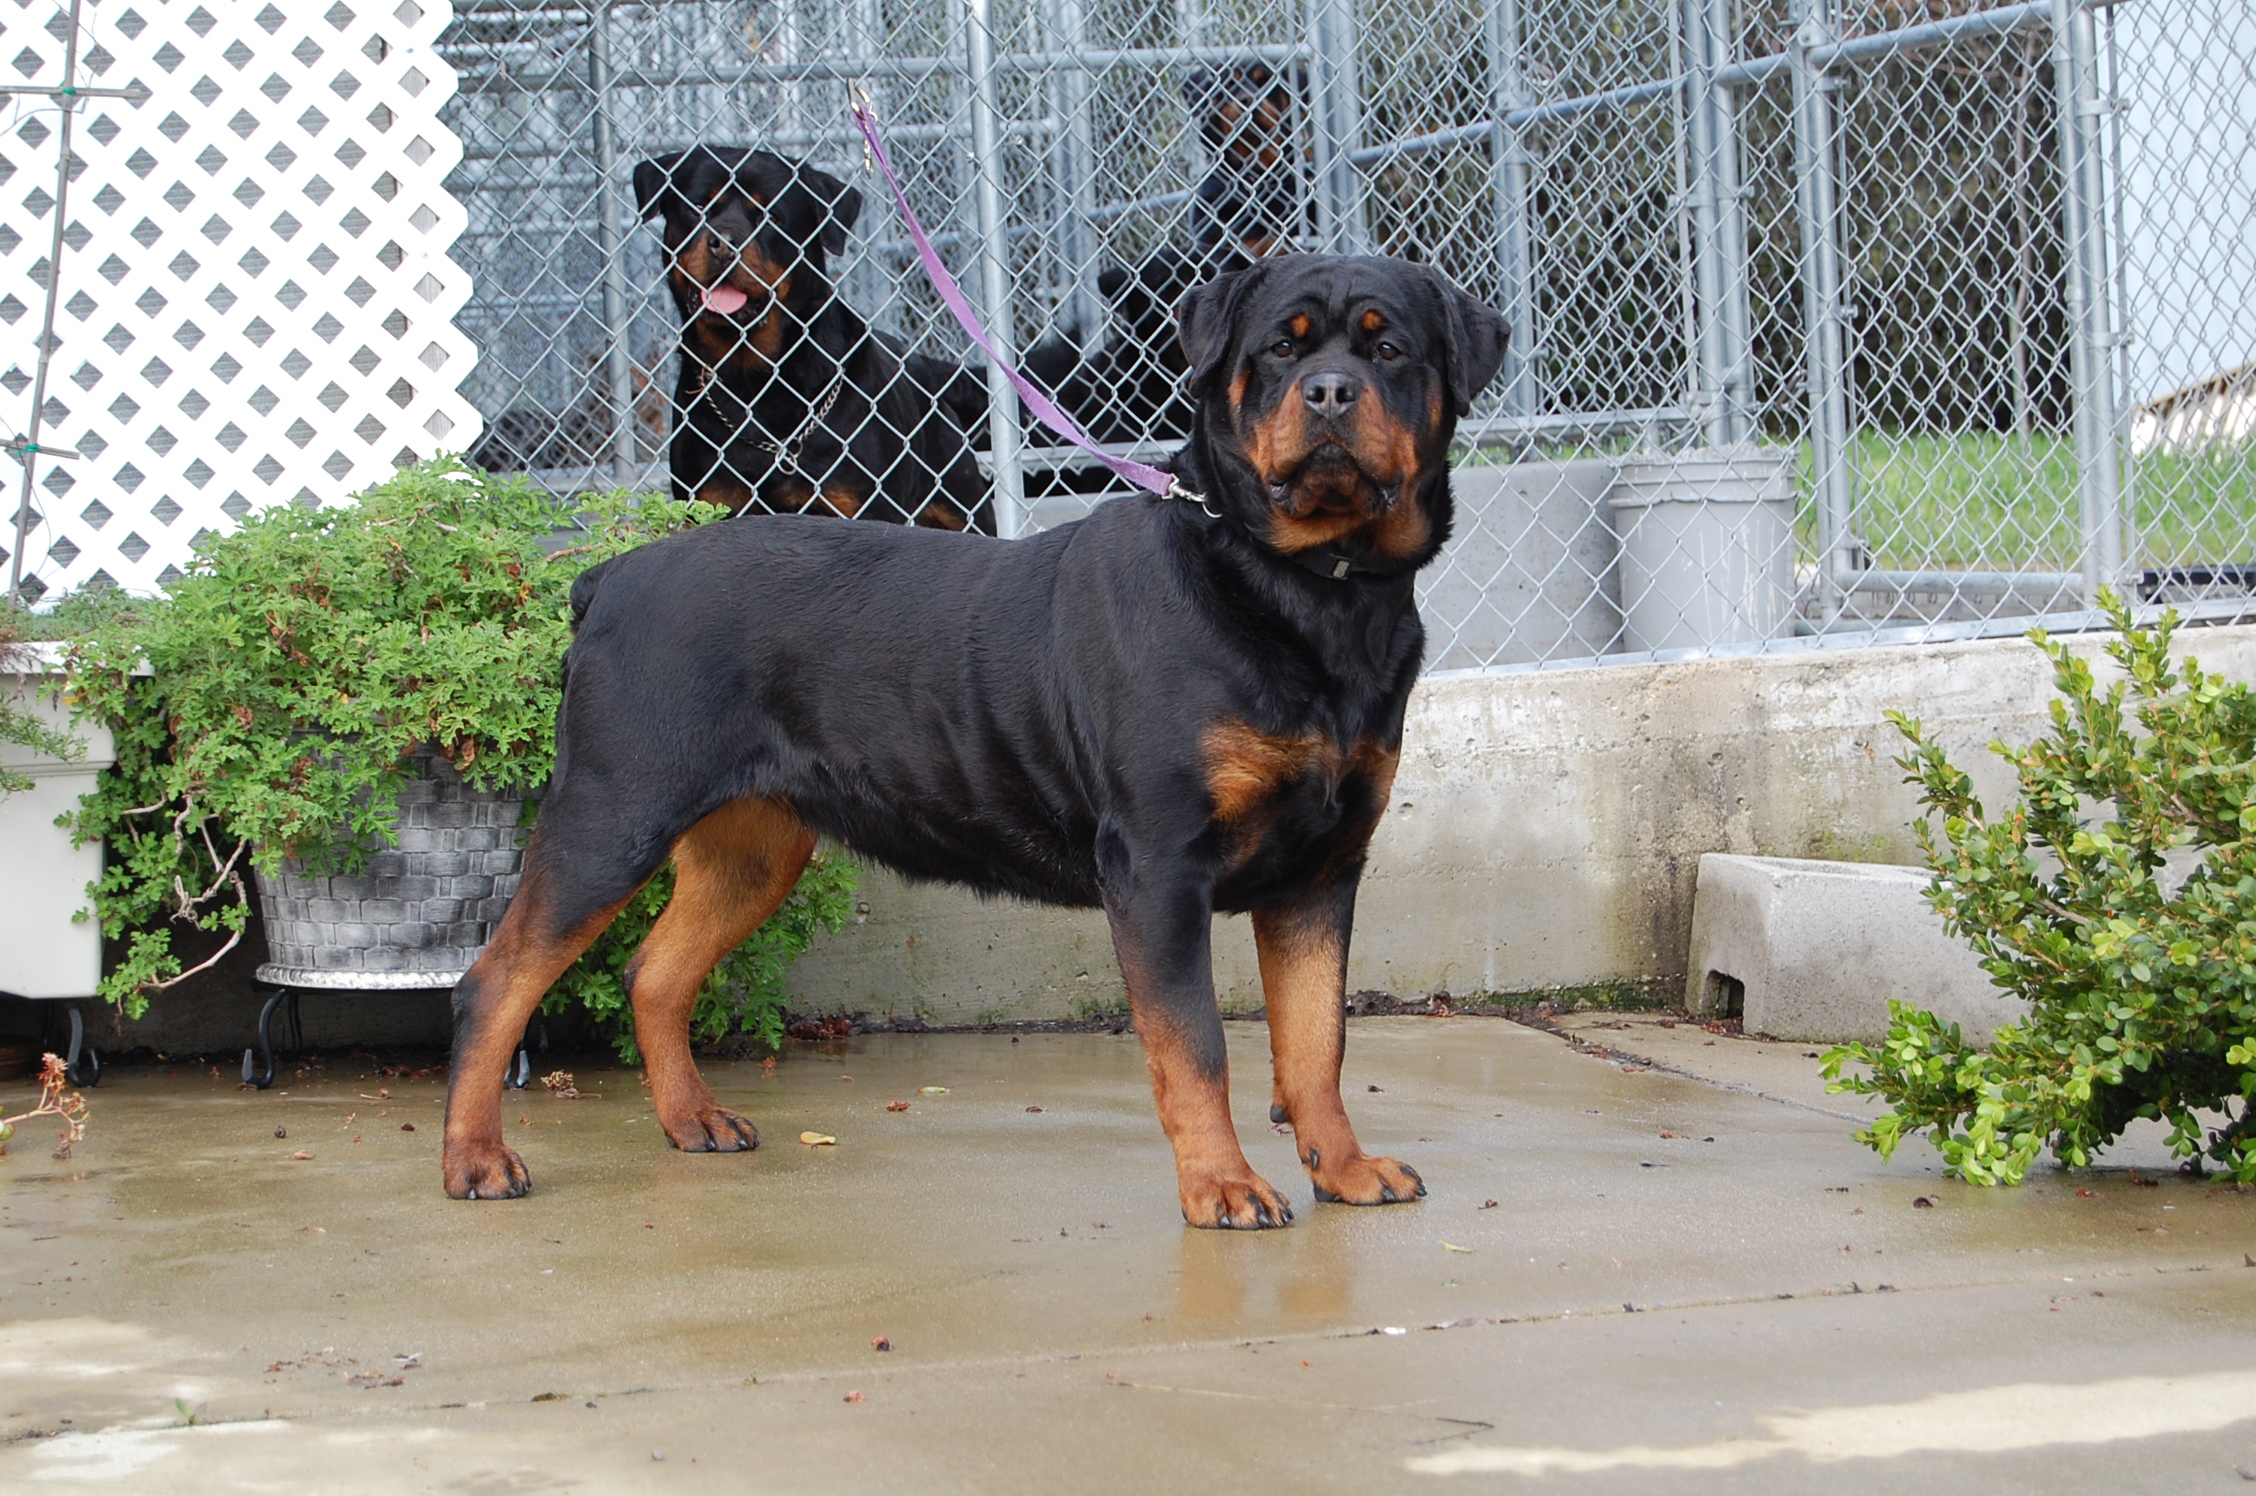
(1707, 545)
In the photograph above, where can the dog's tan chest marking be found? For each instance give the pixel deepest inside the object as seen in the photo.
(1247, 770)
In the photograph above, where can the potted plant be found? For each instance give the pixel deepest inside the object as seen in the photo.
(349, 707)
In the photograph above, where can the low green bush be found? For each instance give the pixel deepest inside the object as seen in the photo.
(19, 725)
(2141, 984)
(292, 674)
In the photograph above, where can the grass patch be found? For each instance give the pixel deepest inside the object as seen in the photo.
(1992, 503)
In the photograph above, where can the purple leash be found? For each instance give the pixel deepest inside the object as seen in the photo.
(1142, 474)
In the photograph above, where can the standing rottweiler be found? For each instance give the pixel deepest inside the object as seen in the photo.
(788, 401)
(1171, 708)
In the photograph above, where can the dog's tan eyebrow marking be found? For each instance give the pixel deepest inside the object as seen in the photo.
(1373, 320)
(1299, 324)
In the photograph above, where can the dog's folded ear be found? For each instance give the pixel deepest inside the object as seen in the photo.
(842, 206)
(1477, 339)
(1206, 318)
(651, 179)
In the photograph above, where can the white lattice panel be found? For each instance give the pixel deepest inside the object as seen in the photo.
(258, 303)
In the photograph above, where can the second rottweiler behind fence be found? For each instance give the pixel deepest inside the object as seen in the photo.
(787, 400)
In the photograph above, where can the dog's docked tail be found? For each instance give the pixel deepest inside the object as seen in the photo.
(584, 588)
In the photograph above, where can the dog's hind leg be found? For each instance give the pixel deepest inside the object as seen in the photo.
(555, 916)
(731, 871)
(1303, 954)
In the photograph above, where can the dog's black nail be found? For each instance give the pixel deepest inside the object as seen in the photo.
(1278, 1114)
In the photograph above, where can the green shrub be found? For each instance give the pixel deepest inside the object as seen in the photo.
(2142, 989)
(19, 726)
(298, 666)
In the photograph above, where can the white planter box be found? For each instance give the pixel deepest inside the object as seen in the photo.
(43, 878)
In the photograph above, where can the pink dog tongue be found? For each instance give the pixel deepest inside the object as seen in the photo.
(727, 300)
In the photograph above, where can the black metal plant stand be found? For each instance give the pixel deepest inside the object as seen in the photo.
(535, 1042)
(261, 1073)
(259, 1065)
(82, 1062)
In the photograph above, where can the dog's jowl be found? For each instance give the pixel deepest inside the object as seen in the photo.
(1173, 708)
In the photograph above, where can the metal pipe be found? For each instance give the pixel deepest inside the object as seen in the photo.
(903, 69)
(2126, 408)
(870, 282)
(1725, 338)
(1520, 119)
(65, 101)
(1817, 206)
(1958, 581)
(1497, 431)
(611, 239)
(769, 140)
(1508, 175)
(995, 281)
(2002, 21)
(1333, 80)
(2083, 207)
(1072, 171)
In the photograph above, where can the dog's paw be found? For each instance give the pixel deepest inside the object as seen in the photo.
(1361, 1179)
(712, 1129)
(485, 1171)
(1239, 1201)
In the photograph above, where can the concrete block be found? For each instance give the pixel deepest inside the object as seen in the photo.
(1813, 951)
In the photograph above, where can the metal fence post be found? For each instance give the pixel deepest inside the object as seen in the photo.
(1508, 169)
(1335, 78)
(1072, 152)
(611, 240)
(1816, 203)
(2083, 206)
(1724, 341)
(995, 279)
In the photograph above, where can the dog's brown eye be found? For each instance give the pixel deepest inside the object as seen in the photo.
(1283, 348)
(1388, 352)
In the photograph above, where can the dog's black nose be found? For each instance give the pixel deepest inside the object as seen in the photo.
(1330, 394)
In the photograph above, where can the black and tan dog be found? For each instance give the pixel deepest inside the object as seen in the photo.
(787, 401)
(1168, 709)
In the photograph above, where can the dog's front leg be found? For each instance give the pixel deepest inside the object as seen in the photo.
(1161, 922)
(1303, 953)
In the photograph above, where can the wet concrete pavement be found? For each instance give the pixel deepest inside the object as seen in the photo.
(1668, 1261)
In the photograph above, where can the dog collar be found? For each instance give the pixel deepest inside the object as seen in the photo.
(1331, 565)
(786, 452)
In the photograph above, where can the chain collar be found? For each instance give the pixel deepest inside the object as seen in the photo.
(786, 452)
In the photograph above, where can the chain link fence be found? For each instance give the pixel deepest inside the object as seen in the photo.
(1832, 321)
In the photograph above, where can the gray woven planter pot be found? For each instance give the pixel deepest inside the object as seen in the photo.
(418, 914)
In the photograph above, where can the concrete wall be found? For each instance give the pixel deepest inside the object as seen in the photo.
(1546, 830)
